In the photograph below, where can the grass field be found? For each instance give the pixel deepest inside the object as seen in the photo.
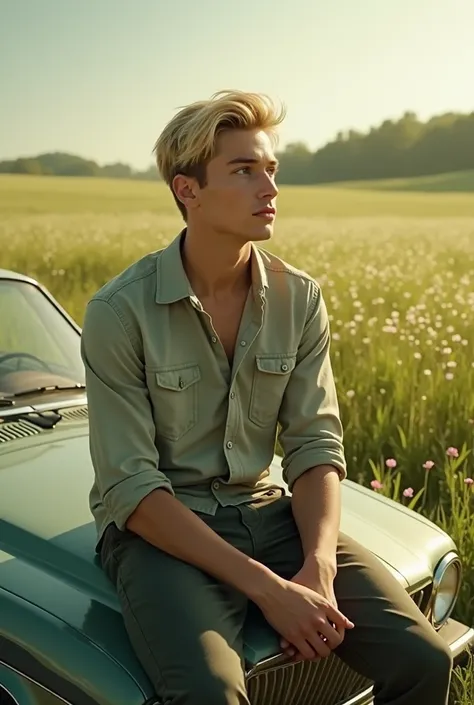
(397, 272)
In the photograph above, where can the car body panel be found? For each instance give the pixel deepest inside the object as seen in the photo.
(37, 641)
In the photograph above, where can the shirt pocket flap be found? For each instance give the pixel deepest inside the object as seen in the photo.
(178, 379)
(276, 364)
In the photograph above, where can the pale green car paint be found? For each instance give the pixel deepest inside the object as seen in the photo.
(59, 602)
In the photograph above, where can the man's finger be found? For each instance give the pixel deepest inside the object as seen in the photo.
(338, 618)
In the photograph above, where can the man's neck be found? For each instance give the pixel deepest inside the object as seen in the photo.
(215, 266)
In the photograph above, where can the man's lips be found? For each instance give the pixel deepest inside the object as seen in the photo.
(266, 212)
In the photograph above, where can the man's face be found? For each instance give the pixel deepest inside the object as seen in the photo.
(239, 196)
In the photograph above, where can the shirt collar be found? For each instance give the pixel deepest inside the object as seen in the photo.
(172, 283)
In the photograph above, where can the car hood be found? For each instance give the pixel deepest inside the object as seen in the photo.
(47, 536)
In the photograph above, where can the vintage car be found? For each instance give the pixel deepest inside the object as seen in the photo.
(62, 637)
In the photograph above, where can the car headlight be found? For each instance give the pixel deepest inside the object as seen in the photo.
(446, 585)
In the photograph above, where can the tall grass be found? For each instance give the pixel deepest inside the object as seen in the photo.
(400, 293)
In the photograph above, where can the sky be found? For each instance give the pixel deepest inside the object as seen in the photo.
(100, 78)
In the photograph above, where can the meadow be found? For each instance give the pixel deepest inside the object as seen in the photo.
(396, 266)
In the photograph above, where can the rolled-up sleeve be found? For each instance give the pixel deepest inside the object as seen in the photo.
(122, 430)
(311, 431)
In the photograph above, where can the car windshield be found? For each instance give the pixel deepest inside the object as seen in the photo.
(38, 346)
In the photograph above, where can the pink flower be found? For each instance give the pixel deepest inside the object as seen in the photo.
(428, 465)
(408, 492)
(376, 485)
(469, 481)
(452, 452)
(391, 463)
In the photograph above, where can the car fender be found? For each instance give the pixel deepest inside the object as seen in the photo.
(53, 654)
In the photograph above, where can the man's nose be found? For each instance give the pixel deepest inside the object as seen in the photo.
(268, 187)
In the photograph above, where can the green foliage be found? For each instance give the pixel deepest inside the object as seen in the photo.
(63, 164)
(403, 148)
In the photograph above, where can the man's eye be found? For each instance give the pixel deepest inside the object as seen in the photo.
(243, 169)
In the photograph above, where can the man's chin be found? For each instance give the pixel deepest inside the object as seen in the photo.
(263, 232)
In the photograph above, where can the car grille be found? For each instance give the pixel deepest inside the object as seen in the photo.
(75, 413)
(326, 682)
(17, 429)
(422, 598)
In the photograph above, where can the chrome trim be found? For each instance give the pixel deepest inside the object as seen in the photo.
(364, 698)
(443, 565)
(43, 406)
(461, 644)
(3, 689)
(32, 680)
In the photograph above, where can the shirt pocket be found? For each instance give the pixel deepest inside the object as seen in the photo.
(175, 399)
(271, 375)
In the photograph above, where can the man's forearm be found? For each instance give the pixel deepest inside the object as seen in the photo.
(316, 505)
(165, 522)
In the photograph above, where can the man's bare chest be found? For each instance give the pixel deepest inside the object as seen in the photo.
(225, 319)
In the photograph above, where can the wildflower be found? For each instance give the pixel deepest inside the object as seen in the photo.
(408, 492)
(391, 463)
(350, 393)
(449, 376)
(427, 372)
(469, 481)
(428, 465)
(452, 452)
(376, 485)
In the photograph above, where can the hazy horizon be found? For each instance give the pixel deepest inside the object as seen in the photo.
(100, 79)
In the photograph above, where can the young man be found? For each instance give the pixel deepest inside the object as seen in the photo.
(194, 355)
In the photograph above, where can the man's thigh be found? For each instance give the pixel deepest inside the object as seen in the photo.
(185, 627)
(390, 634)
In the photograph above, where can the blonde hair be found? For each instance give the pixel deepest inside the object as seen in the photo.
(188, 141)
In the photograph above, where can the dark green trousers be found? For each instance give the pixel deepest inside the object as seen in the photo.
(186, 628)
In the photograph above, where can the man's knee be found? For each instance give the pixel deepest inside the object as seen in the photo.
(428, 656)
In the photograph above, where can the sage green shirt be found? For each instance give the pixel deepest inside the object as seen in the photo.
(167, 410)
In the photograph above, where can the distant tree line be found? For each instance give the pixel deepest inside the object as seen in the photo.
(61, 164)
(396, 148)
(403, 148)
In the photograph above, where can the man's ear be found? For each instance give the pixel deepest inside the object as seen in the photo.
(186, 190)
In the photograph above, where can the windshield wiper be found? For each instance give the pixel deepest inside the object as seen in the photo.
(6, 401)
(44, 390)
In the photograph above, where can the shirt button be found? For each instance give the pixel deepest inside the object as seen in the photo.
(232, 395)
(229, 444)
(284, 368)
(181, 383)
(243, 343)
(215, 485)
(214, 339)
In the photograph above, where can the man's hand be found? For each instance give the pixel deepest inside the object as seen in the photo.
(305, 619)
(317, 575)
